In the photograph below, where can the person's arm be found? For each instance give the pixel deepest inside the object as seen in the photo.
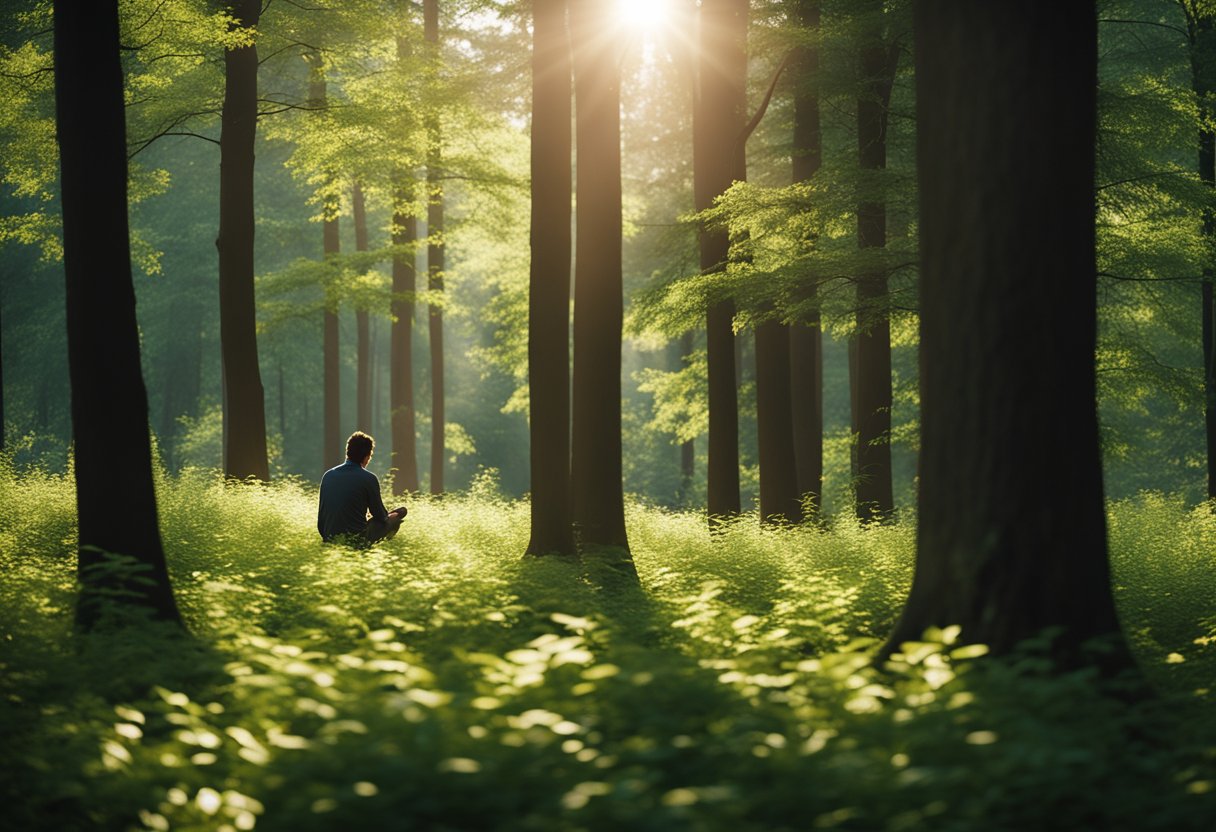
(375, 503)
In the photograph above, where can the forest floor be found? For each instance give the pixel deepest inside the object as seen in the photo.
(442, 681)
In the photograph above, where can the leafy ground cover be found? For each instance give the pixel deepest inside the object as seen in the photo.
(441, 681)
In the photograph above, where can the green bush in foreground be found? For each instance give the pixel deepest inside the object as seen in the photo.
(443, 682)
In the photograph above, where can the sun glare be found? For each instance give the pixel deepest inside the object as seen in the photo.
(646, 15)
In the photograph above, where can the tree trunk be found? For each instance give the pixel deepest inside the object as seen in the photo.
(775, 426)
(332, 441)
(1002, 550)
(109, 402)
(718, 120)
(401, 351)
(806, 339)
(599, 509)
(363, 392)
(244, 401)
(1201, 36)
(434, 251)
(549, 283)
(873, 380)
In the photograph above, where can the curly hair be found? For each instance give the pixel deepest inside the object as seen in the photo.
(359, 446)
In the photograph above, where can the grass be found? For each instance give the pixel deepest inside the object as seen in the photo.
(441, 681)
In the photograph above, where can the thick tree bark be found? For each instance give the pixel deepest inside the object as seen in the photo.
(806, 340)
(434, 251)
(718, 157)
(1002, 550)
(363, 385)
(244, 401)
(549, 283)
(775, 425)
(1201, 36)
(598, 497)
(109, 402)
(873, 378)
(401, 352)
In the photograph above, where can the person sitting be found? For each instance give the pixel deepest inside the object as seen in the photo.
(349, 493)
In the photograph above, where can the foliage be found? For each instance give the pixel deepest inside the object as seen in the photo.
(441, 681)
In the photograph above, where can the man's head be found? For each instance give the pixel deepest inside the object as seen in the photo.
(359, 447)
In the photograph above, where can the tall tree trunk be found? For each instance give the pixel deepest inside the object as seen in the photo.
(1201, 36)
(434, 248)
(806, 339)
(599, 508)
(718, 120)
(1002, 550)
(109, 402)
(549, 283)
(775, 425)
(363, 392)
(244, 401)
(2, 430)
(873, 380)
(331, 246)
(401, 350)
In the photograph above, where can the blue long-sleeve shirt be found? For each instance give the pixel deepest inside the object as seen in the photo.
(348, 493)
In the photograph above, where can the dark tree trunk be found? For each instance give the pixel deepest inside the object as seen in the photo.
(775, 426)
(718, 120)
(363, 391)
(244, 402)
(598, 497)
(401, 350)
(873, 379)
(2, 430)
(1202, 43)
(549, 283)
(806, 339)
(331, 246)
(109, 403)
(1002, 550)
(434, 251)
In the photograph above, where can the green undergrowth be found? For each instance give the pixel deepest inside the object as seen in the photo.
(442, 681)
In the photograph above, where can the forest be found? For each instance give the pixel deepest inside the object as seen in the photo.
(805, 412)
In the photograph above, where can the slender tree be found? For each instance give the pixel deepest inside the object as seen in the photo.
(401, 351)
(872, 380)
(806, 339)
(1002, 550)
(109, 402)
(779, 500)
(549, 282)
(1201, 42)
(363, 385)
(599, 509)
(244, 400)
(435, 247)
(718, 120)
(331, 246)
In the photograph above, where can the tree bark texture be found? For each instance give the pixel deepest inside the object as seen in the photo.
(401, 352)
(1201, 36)
(363, 380)
(109, 402)
(806, 338)
(775, 425)
(1002, 550)
(598, 498)
(719, 116)
(549, 283)
(873, 378)
(245, 452)
(434, 250)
